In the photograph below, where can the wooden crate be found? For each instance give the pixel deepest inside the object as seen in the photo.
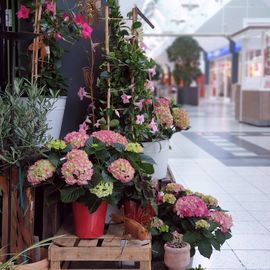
(111, 247)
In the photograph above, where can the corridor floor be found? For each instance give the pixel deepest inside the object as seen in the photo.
(231, 161)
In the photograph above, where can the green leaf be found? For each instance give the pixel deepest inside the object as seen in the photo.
(205, 248)
(71, 194)
(119, 147)
(91, 201)
(54, 159)
(192, 237)
(147, 159)
(136, 25)
(215, 244)
(114, 123)
(147, 168)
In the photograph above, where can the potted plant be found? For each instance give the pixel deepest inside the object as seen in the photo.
(177, 253)
(203, 223)
(185, 53)
(91, 171)
(54, 25)
(132, 107)
(23, 124)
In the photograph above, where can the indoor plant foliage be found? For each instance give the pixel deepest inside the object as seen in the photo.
(94, 168)
(23, 124)
(55, 25)
(198, 217)
(185, 53)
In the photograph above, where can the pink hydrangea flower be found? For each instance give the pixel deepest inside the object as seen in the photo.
(191, 206)
(51, 7)
(109, 137)
(122, 170)
(162, 102)
(125, 98)
(78, 168)
(79, 19)
(82, 93)
(164, 115)
(86, 30)
(181, 118)
(223, 219)
(77, 139)
(153, 126)
(40, 171)
(23, 12)
(150, 86)
(139, 119)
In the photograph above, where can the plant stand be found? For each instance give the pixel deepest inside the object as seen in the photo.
(111, 247)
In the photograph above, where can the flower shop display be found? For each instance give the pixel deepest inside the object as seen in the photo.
(53, 25)
(177, 253)
(91, 171)
(203, 223)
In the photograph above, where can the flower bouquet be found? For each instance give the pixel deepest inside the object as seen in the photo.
(94, 170)
(198, 217)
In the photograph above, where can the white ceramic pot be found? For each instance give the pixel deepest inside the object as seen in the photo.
(159, 152)
(55, 117)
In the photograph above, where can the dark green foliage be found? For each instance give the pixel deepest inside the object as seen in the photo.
(185, 53)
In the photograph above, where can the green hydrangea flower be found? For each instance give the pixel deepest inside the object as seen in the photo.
(169, 198)
(56, 144)
(102, 189)
(134, 147)
(202, 224)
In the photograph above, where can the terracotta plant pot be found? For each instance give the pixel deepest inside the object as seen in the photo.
(89, 225)
(134, 211)
(177, 258)
(41, 265)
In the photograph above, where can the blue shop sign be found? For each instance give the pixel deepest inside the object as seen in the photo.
(223, 51)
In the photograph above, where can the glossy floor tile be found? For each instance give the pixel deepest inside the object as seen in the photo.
(230, 160)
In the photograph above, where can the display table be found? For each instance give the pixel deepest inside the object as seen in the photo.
(112, 247)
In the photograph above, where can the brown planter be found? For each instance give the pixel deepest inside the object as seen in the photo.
(177, 258)
(41, 265)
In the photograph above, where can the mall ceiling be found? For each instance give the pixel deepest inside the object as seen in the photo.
(199, 17)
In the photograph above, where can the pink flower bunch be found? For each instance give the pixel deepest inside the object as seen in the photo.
(40, 171)
(223, 219)
(78, 168)
(191, 206)
(181, 118)
(164, 115)
(174, 187)
(50, 7)
(109, 137)
(77, 139)
(153, 126)
(122, 170)
(86, 29)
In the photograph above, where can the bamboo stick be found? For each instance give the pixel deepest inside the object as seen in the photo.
(107, 50)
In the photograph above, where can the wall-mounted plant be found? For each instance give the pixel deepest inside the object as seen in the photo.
(52, 25)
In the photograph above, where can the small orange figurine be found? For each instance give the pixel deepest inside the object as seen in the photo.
(132, 227)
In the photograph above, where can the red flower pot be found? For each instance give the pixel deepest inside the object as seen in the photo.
(89, 225)
(134, 211)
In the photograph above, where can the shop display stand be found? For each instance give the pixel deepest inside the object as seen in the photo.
(107, 251)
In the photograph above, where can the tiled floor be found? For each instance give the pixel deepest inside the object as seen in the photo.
(231, 161)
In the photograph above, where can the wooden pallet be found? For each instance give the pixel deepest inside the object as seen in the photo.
(111, 247)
